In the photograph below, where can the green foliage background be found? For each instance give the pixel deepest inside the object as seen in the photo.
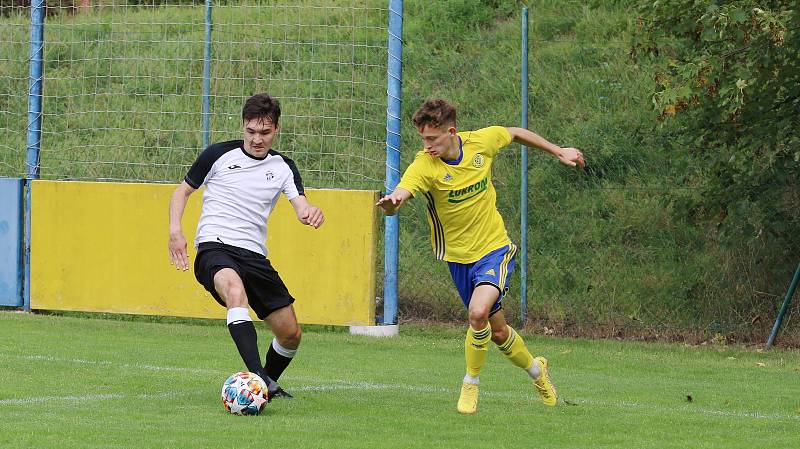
(683, 225)
(729, 72)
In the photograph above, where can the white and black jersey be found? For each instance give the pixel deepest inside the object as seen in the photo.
(240, 192)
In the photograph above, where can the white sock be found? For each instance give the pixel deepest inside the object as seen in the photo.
(474, 380)
(238, 315)
(286, 352)
(535, 371)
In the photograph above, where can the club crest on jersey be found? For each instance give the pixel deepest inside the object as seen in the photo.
(478, 161)
(447, 178)
(270, 176)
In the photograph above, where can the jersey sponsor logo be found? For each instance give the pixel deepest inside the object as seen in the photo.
(459, 195)
(234, 167)
(478, 161)
(270, 176)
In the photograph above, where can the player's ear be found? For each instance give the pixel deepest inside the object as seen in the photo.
(451, 130)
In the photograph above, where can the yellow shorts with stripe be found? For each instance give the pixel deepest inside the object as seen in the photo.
(494, 269)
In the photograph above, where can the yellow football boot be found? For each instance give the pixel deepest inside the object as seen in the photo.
(468, 402)
(547, 391)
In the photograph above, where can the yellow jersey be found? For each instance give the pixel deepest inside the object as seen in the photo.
(462, 211)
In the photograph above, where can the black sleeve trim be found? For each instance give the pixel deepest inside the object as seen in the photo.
(202, 165)
(298, 181)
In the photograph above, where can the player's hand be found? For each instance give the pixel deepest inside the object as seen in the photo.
(312, 216)
(572, 157)
(178, 255)
(389, 204)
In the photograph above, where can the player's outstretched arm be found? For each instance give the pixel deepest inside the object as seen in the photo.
(307, 213)
(391, 203)
(178, 255)
(567, 155)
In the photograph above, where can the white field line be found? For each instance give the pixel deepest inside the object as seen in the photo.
(688, 409)
(337, 385)
(87, 397)
(330, 387)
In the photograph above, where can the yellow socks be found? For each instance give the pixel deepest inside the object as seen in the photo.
(514, 349)
(476, 348)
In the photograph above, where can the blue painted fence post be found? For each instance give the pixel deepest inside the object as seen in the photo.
(34, 132)
(207, 77)
(394, 91)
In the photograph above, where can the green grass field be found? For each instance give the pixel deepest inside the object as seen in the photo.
(70, 382)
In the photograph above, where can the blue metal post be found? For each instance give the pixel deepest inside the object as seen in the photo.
(394, 89)
(523, 188)
(34, 132)
(784, 307)
(207, 78)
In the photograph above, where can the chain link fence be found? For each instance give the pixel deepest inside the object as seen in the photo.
(607, 255)
(123, 87)
(14, 26)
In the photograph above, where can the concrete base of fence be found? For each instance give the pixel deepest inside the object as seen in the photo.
(389, 330)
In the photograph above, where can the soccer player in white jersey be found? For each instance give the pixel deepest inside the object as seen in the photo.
(453, 172)
(243, 180)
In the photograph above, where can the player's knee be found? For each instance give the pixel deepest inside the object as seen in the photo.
(291, 338)
(478, 315)
(296, 337)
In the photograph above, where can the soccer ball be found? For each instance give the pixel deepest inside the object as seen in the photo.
(244, 393)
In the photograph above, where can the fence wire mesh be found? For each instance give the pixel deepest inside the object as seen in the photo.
(600, 259)
(122, 102)
(14, 42)
(123, 87)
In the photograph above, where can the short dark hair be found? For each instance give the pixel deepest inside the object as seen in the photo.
(261, 106)
(434, 112)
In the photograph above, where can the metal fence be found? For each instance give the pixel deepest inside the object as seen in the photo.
(133, 93)
(607, 253)
(593, 248)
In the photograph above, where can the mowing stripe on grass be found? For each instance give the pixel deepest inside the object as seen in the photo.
(48, 358)
(88, 397)
(687, 409)
(339, 385)
(317, 384)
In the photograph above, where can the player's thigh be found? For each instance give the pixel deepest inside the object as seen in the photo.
(230, 287)
(483, 299)
(283, 323)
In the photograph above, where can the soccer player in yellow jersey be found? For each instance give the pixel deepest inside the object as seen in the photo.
(454, 174)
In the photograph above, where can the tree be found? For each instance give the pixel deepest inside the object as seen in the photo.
(730, 72)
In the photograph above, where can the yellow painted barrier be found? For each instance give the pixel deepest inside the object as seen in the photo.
(102, 247)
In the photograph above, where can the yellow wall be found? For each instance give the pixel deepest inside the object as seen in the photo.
(103, 247)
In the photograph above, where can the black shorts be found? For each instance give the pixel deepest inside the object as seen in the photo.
(265, 290)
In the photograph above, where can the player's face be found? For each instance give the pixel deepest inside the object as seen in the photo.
(437, 140)
(258, 136)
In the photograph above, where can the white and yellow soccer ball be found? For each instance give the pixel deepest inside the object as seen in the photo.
(244, 393)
